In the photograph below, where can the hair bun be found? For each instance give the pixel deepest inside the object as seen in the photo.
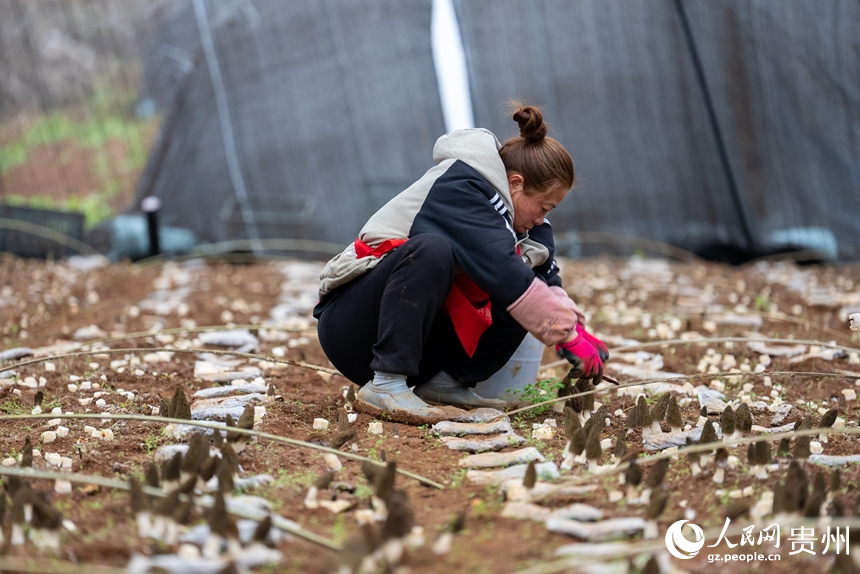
(530, 120)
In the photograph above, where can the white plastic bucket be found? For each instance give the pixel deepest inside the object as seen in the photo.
(519, 371)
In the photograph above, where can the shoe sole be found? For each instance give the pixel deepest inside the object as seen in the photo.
(463, 405)
(397, 416)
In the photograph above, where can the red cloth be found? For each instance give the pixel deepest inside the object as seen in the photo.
(362, 249)
(467, 304)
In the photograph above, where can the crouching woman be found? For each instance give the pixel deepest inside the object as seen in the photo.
(446, 279)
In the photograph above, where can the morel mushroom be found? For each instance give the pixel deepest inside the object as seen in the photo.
(721, 459)
(727, 424)
(709, 435)
(655, 479)
(633, 478)
(656, 506)
(826, 422)
(140, 507)
(743, 422)
(593, 450)
(802, 447)
(658, 413)
(644, 416)
(703, 417)
(673, 416)
(693, 458)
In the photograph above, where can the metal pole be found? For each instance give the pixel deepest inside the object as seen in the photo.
(222, 103)
(150, 206)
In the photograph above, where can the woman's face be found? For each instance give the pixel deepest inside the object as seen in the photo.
(530, 210)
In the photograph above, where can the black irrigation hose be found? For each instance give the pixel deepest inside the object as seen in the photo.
(218, 426)
(123, 485)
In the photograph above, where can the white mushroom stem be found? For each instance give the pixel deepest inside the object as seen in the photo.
(736, 436)
(443, 544)
(144, 523)
(760, 471)
(45, 539)
(369, 563)
(822, 438)
(17, 535)
(380, 511)
(719, 475)
(593, 465)
(311, 497)
(704, 460)
(212, 546)
(28, 512)
(171, 531)
(646, 496)
(646, 432)
(655, 428)
(701, 422)
(622, 480)
(393, 550)
(696, 469)
(158, 526)
(632, 495)
(332, 462)
(568, 462)
(580, 458)
(517, 492)
(51, 540)
(585, 416)
(675, 429)
(558, 408)
(650, 530)
(234, 547)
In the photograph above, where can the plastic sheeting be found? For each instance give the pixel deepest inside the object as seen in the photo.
(333, 105)
(333, 108)
(617, 81)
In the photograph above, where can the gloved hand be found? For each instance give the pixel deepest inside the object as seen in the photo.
(595, 342)
(584, 358)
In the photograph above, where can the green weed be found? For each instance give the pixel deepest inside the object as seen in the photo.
(537, 392)
(15, 407)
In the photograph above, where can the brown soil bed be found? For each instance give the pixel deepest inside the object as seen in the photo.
(489, 543)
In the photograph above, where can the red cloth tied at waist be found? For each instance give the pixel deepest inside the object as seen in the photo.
(467, 304)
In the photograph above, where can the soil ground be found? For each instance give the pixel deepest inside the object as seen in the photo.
(42, 303)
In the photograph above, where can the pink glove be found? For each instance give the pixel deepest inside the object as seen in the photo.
(595, 342)
(543, 314)
(584, 358)
(568, 302)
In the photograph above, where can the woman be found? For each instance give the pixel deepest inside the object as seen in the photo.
(445, 280)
